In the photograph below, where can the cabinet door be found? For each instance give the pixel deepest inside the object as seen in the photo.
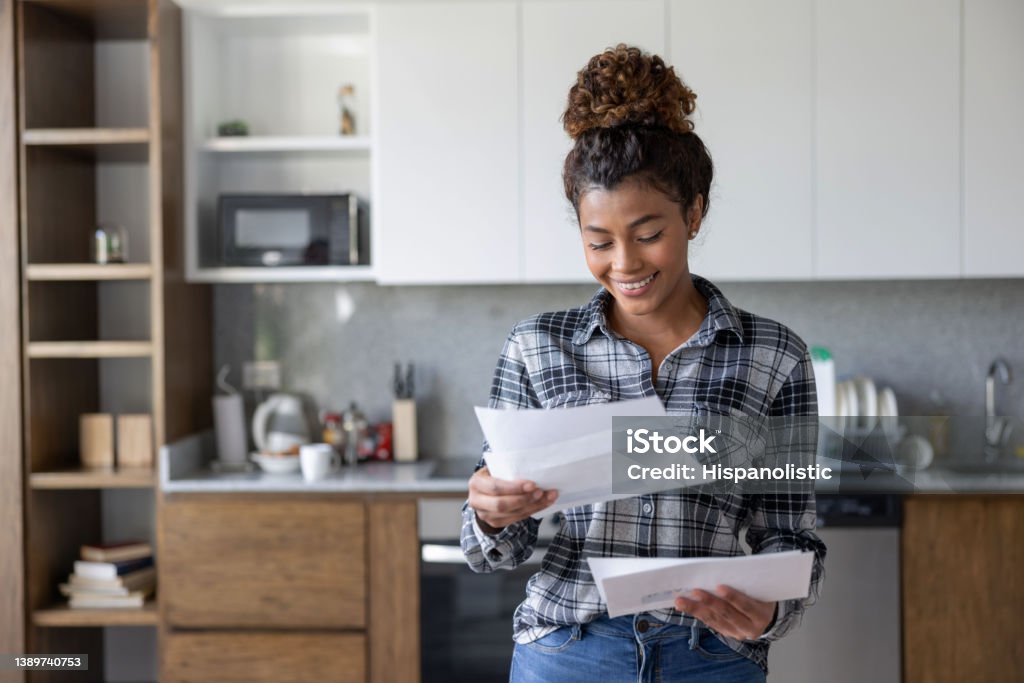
(750, 64)
(993, 137)
(446, 172)
(888, 143)
(238, 561)
(258, 657)
(558, 39)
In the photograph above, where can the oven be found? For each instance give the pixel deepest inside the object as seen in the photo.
(466, 618)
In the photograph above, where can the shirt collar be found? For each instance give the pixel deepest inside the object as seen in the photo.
(721, 316)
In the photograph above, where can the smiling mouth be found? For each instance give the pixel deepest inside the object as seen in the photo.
(637, 284)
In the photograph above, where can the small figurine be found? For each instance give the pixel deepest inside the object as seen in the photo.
(347, 124)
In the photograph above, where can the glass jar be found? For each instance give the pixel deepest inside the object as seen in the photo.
(109, 244)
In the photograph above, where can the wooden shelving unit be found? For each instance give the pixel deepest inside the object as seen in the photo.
(99, 143)
(91, 479)
(62, 616)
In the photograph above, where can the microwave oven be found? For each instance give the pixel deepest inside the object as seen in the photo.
(275, 230)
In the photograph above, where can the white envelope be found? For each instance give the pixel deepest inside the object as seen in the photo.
(640, 584)
(566, 449)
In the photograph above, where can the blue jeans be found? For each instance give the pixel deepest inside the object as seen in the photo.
(635, 648)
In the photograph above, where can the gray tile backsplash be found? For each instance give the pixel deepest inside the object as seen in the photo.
(932, 341)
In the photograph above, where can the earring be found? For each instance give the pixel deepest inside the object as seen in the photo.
(693, 233)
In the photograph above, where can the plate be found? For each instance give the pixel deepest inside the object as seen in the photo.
(276, 464)
(887, 403)
(852, 405)
(867, 399)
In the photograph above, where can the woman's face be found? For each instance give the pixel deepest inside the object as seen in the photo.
(635, 239)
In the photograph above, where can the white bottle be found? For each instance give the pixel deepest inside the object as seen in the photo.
(825, 380)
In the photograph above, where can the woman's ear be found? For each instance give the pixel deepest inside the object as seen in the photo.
(693, 220)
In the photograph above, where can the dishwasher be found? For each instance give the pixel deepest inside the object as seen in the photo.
(852, 634)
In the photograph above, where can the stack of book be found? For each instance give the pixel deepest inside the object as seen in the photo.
(112, 575)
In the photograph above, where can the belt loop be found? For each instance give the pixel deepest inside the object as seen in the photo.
(577, 631)
(694, 634)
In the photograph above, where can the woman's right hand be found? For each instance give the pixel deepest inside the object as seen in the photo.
(499, 502)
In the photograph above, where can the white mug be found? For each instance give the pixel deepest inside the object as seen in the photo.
(317, 459)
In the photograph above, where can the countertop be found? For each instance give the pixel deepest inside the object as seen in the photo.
(185, 467)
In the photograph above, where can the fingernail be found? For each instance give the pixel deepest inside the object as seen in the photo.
(529, 486)
(552, 495)
(537, 495)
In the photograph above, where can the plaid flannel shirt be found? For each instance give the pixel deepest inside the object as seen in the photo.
(736, 363)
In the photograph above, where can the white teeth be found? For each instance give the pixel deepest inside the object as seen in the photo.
(636, 285)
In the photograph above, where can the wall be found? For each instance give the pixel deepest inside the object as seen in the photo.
(931, 341)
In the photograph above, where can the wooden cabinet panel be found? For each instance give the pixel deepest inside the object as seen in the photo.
(963, 588)
(750, 64)
(993, 137)
(230, 657)
(446, 172)
(888, 139)
(249, 561)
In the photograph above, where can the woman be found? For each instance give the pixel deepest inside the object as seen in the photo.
(638, 179)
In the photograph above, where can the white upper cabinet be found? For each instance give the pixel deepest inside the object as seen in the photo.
(750, 64)
(557, 41)
(993, 137)
(888, 143)
(446, 172)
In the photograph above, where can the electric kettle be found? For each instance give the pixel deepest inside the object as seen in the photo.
(281, 423)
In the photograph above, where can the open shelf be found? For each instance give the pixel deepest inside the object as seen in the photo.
(88, 271)
(93, 479)
(289, 143)
(296, 274)
(64, 616)
(89, 349)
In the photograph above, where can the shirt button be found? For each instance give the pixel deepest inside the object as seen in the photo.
(648, 508)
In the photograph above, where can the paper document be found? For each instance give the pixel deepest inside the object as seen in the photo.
(639, 584)
(566, 449)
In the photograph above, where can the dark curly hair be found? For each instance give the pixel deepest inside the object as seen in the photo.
(629, 115)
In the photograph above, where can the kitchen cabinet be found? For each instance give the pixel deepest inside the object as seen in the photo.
(993, 102)
(963, 589)
(751, 65)
(887, 148)
(296, 587)
(557, 39)
(446, 174)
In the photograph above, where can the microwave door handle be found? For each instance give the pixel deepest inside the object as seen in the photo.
(353, 230)
(432, 553)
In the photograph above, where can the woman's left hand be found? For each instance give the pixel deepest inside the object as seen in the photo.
(729, 612)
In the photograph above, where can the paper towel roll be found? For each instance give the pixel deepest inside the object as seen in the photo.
(229, 422)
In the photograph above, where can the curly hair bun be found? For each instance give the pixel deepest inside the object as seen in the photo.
(624, 85)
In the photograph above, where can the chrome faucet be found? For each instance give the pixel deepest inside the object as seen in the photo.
(997, 429)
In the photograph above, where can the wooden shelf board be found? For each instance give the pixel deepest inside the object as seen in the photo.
(64, 616)
(88, 271)
(89, 349)
(93, 479)
(85, 136)
(288, 143)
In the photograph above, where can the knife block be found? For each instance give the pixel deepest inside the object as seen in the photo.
(403, 419)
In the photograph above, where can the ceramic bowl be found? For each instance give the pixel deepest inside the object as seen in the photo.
(276, 464)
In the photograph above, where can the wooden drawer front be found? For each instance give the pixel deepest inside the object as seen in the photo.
(204, 657)
(252, 562)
